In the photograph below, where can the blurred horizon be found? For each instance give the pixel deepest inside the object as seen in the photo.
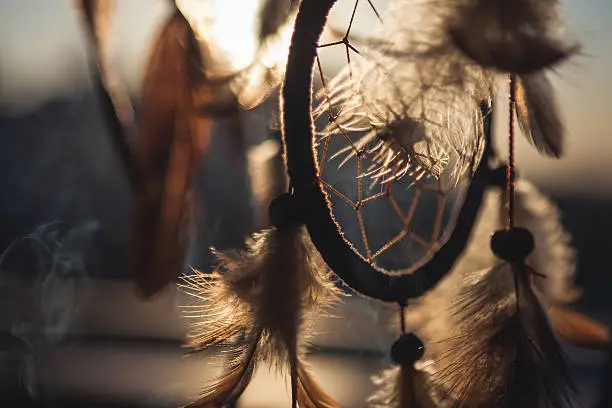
(42, 58)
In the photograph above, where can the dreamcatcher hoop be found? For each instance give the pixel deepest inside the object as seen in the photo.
(300, 154)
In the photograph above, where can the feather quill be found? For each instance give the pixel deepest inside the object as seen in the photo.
(264, 294)
(538, 115)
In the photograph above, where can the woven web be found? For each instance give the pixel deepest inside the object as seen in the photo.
(394, 203)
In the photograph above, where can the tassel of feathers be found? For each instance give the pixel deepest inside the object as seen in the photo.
(446, 330)
(504, 353)
(257, 304)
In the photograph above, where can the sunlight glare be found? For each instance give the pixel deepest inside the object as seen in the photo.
(229, 28)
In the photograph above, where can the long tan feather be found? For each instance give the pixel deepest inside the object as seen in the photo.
(538, 114)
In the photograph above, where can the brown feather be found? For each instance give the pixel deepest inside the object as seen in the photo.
(169, 150)
(537, 114)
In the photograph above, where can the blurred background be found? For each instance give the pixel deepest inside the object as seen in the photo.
(72, 331)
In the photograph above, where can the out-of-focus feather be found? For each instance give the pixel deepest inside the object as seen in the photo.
(554, 255)
(505, 354)
(579, 329)
(169, 149)
(113, 98)
(517, 36)
(537, 114)
(273, 15)
(268, 292)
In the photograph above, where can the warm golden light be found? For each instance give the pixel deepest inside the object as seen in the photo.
(229, 28)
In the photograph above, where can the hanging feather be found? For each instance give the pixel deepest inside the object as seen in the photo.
(173, 139)
(505, 355)
(431, 316)
(515, 36)
(538, 115)
(258, 303)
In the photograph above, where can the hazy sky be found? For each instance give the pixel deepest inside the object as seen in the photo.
(40, 42)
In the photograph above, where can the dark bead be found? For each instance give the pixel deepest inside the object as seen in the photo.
(284, 211)
(512, 245)
(407, 349)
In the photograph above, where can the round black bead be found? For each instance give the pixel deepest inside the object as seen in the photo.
(284, 211)
(512, 245)
(407, 349)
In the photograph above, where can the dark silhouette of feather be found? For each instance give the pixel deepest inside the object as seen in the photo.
(537, 114)
(509, 35)
(505, 354)
(169, 150)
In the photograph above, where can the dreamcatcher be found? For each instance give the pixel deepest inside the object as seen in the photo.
(404, 119)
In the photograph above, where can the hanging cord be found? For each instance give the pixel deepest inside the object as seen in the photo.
(402, 307)
(510, 166)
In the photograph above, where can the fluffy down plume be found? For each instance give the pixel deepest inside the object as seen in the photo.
(412, 104)
(516, 36)
(538, 115)
(258, 304)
